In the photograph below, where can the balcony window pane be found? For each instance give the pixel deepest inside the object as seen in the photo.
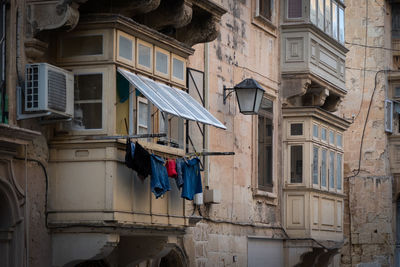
(178, 68)
(88, 94)
(296, 129)
(339, 172)
(339, 140)
(341, 25)
(334, 21)
(331, 169)
(315, 130)
(328, 17)
(315, 165)
(323, 167)
(313, 11)
(125, 48)
(321, 14)
(331, 138)
(82, 46)
(323, 134)
(294, 8)
(161, 62)
(296, 164)
(144, 55)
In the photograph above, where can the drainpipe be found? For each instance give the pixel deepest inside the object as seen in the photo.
(26, 209)
(206, 133)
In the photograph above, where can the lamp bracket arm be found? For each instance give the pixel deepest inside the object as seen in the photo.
(226, 95)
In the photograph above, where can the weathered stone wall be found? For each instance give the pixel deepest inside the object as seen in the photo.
(368, 217)
(241, 50)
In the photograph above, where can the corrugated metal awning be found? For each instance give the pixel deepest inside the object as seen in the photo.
(171, 100)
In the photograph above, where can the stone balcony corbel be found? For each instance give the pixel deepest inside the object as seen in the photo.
(204, 26)
(294, 90)
(176, 14)
(51, 15)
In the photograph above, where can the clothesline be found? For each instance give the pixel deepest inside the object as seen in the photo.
(210, 153)
(136, 136)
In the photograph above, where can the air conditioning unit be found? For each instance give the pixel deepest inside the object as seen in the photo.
(49, 89)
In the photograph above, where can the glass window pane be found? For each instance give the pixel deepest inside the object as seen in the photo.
(323, 167)
(339, 140)
(265, 8)
(296, 164)
(82, 46)
(397, 91)
(323, 134)
(87, 116)
(125, 48)
(331, 169)
(339, 172)
(264, 152)
(334, 20)
(161, 62)
(321, 14)
(295, 8)
(144, 55)
(143, 111)
(88, 86)
(266, 105)
(178, 70)
(315, 165)
(341, 25)
(331, 138)
(313, 11)
(315, 130)
(296, 129)
(328, 17)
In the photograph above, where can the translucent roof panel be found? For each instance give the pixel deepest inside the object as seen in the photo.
(198, 107)
(163, 91)
(148, 92)
(171, 100)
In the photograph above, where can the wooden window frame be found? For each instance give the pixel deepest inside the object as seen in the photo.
(122, 59)
(140, 66)
(168, 54)
(176, 79)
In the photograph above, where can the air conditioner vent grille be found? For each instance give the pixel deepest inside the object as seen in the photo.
(57, 95)
(32, 88)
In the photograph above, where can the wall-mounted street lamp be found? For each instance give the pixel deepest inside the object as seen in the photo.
(249, 94)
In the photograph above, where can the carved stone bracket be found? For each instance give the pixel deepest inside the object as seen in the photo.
(294, 90)
(50, 15)
(170, 13)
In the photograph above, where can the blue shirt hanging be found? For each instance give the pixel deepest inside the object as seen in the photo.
(159, 177)
(191, 179)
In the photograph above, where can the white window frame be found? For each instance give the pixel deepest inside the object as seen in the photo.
(341, 172)
(318, 184)
(326, 168)
(333, 173)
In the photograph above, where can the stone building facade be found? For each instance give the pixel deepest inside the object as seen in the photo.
(295, 192)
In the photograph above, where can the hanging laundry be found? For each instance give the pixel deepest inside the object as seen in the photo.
(179, 176)
(171, 168)
(191, 178)
(159, 177)
(130, 151)
(141, 161)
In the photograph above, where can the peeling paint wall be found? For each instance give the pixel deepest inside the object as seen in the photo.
(243, 49)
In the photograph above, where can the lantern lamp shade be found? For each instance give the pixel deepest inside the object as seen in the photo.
(249, 94)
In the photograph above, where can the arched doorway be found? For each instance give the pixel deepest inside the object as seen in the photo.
(11, 246)
(172, 259)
